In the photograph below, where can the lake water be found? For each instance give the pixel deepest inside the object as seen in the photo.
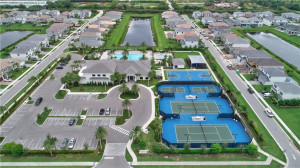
(139, 31)
(279, 47)
(11, 37)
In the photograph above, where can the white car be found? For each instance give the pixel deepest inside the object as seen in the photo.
(269, 113)
(7, 80)
(71, 143)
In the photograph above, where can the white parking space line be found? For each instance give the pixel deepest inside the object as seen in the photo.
(82, 143)
(90, 141)
(101, 121)
(37, 143)
(56, 122)
(69, 112)
(93, 111)
(51, 121)
(75, 112)
(65, 119)
(30, 143)
(89, 122)
(23, 142)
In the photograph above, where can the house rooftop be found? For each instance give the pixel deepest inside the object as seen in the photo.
(178, 61)
(255, 54)
(288, 87)
(275, 71)
(265, 61)
(195, 59)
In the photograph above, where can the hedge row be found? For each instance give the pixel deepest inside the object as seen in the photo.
(196, 151)
(33, 152)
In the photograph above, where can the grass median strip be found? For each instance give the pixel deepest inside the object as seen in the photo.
(122, 119)
(101, 96)
(61, 94)
(41, 117)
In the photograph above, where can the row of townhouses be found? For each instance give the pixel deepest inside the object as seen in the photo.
(44, 17)
(92, 35)
(181, 31)
(271, 71)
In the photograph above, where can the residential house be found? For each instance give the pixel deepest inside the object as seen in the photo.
(258, 63)
(286, 90)
(293, 30)
(86, 13)
(219, 25)
(173, 22)
(44, 19)
(75, 13)
(291, 16)
(264, 14)
(89, 36)
(94, 30)
(231, 23)
(107, 23)
(114, 15)
(100, 71)
(181, 31)
(185, 25)
(207, 20)
(32, 19)
(255, 22)
(238, 14)
(237, 42)
(218, 17)
(43, 12)
(178, 63)
(60, 18)
(168, 14)
(8, 65)
(225, 15)
(20, 19)
(269, 75)
(226, 36)
(248, 14)
(57, 30)
(105, 18)
(54, 13)
(190, 41)
(65, 13)
(7, 21)
(197, 15)
(248, 54)
(243, 22)
(72, 21)
(207, 13)
(90, 43)
(277, 21)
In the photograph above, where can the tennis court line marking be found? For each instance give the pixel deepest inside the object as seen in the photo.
(219, 133)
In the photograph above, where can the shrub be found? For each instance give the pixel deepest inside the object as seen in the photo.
(7, 148)
(252, 149)
(187, 146)
(216, 148)
(142, 144)
(17, 150)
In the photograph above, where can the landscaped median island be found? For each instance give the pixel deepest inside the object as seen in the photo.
(120, 120)
(101, 96)
(61, 94)
(41, 117)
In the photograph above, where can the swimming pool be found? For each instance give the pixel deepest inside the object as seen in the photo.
(131, 57)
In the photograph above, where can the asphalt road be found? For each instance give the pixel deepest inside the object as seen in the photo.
(10, 93)
(282, 139)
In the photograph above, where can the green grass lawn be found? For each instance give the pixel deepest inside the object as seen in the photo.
(118, 34)
(3, 86)
(290, 116)
(101, 96)
(91, 88)
(61, 94)
(260, 88)
(79, 121)
(249, 77)
(166, 75)
(46, 49)
(122, 119)
(83, 112)
(23, 27)
(152, 82)
(129, 95)
(184, 55)
(273, 164)
(30, 102)
(18, 72)
(40, 120)
(128, 156)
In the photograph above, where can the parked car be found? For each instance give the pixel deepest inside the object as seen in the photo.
(65, 62)
(35, 59)
(62, 64)
(267, 94)
(72, 121)
(264, 91)
(107, 111)
(64, 143)
(101, 111)
(229, 67)
(7, 80)
(59, 67)
(38, 101)
(71, 143)
(269, 113)
(250, 91)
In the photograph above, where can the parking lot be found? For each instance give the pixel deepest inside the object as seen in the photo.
(81, 97)
(95, 122)
(74, 112)
(89, 122)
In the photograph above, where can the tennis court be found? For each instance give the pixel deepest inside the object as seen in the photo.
(192, 107)
(173, 90)
(204, 90)
(189, 76)
(203, 134)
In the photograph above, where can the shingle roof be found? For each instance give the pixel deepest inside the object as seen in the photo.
(288, 87)
(238, 41)
(178, 61)
(255, 54)
(196, 59)
(265, 62)
(275, 71)
(191, 38)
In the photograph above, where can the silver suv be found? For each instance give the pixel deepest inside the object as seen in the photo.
(107, 111)
(71, 143)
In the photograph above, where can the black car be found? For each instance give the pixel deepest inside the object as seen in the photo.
(38, 101)
(65, 62)
(101, 111)
(62, 64)
(59, 67)
(72, 121)
(250, 91)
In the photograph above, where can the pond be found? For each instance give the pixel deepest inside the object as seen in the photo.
(11, 37)
(283, 49)
(139, 31)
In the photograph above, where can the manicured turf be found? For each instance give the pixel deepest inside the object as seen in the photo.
(150, 83)
(3, 86)
(260, 88)
(129, 95)
(43, 117)
(249, 77)
(18, 72)
(128, 156)
(101, 96)
(122, 119)
(61, 94)
(23, 27)
(289, 115)
(91, 88)
(30, 102)
(184, 55)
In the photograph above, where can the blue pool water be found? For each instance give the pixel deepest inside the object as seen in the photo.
(131, 57)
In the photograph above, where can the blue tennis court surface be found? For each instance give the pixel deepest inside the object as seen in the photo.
(180, 125)
(189, 76)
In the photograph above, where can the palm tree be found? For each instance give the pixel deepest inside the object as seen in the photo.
(100, 134)
(126, 104)
(123, 88)
(125, 53)
(134, 133)
(49, 144)
(135, 89)
(127, 45)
